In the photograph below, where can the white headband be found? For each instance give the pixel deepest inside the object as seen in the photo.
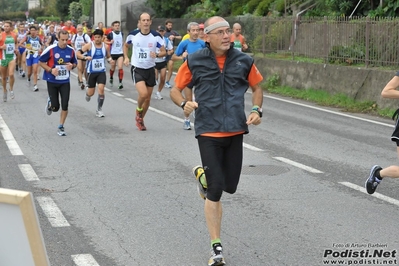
(216, 25)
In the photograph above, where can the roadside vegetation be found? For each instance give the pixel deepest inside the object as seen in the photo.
(325, 98)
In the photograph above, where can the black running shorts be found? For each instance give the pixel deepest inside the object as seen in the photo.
(96, 78)
(146, 75)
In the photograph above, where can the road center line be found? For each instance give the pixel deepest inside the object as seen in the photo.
(53, 213)
(84, 260)
(376, 194)
(9, 138)
(299, 165)
(28, 172)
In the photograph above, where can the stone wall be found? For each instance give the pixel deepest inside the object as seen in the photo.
(358, 83)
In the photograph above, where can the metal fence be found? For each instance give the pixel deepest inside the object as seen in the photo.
(372, 42)
(334, 40)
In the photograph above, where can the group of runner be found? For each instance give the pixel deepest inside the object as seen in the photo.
(25, 46)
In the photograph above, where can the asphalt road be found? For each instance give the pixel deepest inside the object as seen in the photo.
(127, 198)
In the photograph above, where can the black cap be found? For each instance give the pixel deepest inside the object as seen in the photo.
(161, 27)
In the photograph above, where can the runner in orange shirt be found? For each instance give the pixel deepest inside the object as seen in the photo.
(221, 76)
(70, 29)
(238, 39)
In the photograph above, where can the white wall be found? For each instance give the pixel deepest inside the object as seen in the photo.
(33, 4)
(113, 11)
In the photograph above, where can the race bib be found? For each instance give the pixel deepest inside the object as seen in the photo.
(79, 46)
(98, 64)
(35, 45)
(143, 54)
(118, 44)
(237, 45)
(63, 73)
(10, 48)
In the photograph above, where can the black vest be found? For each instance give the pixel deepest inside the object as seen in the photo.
(220, 94)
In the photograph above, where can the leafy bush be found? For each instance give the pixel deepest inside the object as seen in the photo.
(273, 81)
(75, 11)
(277, 36)
(263, 8)
(52, 18)
(347, 54)
(37, 12)
(252, 5)
(18, 15)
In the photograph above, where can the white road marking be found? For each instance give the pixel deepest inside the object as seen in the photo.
(28, 172)
(131, 100)
(118, 94)
(53, 213)
(9, 138)
(84, 260)
(376, 194)
(329, 111)
(250, 147)
(299, 165)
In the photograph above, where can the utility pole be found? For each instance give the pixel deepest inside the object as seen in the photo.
(106, 15)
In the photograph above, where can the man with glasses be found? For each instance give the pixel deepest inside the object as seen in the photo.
(221, 76)
(57, 62)
(186, 47)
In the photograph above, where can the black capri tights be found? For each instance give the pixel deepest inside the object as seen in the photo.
(61, 89)
(222, 162)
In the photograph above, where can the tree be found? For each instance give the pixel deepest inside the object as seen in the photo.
(63, 8)
(75, 11)
(171, 8)
(86, 6)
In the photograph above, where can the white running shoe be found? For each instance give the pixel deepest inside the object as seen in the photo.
(12, 94)
(186, 125)
(35, 88)
(99, 113)
(167, 85)
(158, 96)
(48, 107)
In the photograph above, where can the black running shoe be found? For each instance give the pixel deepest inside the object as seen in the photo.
(372, 182)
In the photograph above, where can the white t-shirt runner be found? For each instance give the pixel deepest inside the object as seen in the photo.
(116, 47)
(80, 40)
(142, 46)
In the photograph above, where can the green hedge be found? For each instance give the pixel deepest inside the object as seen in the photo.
(41, 19)
(18, 15)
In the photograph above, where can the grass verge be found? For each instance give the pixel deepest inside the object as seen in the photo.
(325, 98)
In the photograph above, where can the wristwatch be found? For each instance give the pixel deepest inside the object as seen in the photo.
(183, 103)
(257, 110)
